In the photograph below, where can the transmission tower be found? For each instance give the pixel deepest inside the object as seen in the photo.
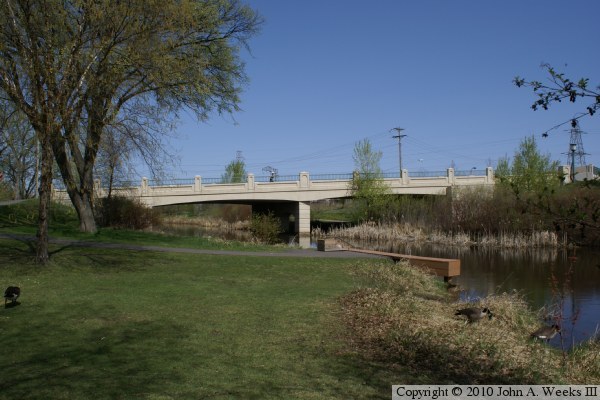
(579, 152)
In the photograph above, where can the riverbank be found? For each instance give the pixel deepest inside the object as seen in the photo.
(401, 317)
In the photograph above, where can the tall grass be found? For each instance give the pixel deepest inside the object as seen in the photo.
(394, 232)
(400, 316)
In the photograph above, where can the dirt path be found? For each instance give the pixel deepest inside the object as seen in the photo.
(291, 252)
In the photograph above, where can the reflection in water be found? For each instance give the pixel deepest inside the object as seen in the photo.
(560, 283)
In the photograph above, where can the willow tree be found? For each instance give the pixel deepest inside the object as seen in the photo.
(75, 66)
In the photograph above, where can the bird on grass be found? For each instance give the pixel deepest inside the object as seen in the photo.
(474, 314)
(11, 293)
(546, 332)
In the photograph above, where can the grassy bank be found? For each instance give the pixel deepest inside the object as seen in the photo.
(402, 317)
(108, 324)
(21, 218)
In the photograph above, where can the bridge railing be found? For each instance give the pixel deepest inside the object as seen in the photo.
(276, 178)
(171, 182)
(195, 184)
(317, 177)
(471, 172)
(428, 174)
(331, 177)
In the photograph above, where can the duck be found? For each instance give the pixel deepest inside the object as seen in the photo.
(546, 332)
(11, 293)
(474, 314)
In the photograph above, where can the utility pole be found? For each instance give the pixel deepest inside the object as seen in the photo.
(399, 136)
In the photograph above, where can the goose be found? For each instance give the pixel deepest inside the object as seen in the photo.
(546, 332)
(11, 293)
(474, 314)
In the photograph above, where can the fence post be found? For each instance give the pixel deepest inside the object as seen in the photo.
(450, 174)
(197, 183)
(144, 186)
(250, 185)
(404, 178)
(304, 180)
(489, 175)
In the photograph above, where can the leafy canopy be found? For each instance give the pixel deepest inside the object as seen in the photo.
(367, 185)
(531, 171)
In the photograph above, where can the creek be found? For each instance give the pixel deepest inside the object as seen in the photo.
(563, 284)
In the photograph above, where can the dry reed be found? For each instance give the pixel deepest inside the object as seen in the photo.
(207, 222)
(408, 233)
(402, 315)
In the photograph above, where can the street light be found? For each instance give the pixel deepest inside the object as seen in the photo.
(573, 148)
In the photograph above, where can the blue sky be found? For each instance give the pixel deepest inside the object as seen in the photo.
(325, 74)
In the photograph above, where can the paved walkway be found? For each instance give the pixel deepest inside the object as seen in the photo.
(291, 252)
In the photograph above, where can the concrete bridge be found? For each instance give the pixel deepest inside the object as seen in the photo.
(288, 197)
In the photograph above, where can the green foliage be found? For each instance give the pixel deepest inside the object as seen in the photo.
(235, 172)
(99, 62)
(366, 160)
(266, 227)
(367, 185)
(530, 172)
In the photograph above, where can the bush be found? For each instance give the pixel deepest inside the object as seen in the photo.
(121, 212)
(266, 228)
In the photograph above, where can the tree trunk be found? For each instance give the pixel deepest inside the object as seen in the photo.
(42, 255)
(81, 195)
(85, 212)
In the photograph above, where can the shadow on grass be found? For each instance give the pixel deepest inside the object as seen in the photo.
(109, 358)
(21, 251)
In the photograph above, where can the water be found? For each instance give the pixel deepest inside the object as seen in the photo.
(562, 282)
(565, 283)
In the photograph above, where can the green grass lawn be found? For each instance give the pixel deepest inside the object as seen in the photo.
(109, 324)
(21, 219)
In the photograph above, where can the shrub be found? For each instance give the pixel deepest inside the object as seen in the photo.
(121, 212)
(266, 227)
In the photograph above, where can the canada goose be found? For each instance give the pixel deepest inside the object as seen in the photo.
(546, 332)
(11, 293)
(474, 314)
